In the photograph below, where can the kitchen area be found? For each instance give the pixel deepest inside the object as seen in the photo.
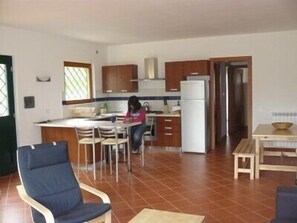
(164, 112)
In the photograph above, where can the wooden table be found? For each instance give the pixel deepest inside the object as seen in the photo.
(156, 216)
(266, 132)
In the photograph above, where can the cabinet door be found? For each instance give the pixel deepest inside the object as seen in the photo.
(197, 67)
(109, 79)
(203, 67)
(126, 73)
(171, 139)
(117, 79)
(173, 76)
(169, 131)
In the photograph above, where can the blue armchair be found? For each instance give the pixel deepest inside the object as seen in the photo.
(286, 205)
(50, 187)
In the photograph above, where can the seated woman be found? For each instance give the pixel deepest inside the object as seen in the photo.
(136, 113)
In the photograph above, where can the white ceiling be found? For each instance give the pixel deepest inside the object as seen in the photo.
(132, 21)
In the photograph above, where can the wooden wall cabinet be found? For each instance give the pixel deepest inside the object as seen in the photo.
(177, 71)
(117, 78)
(196, 67)
(173, 75)
(169, 131)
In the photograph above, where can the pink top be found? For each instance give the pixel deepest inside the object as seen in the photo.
(138, 116)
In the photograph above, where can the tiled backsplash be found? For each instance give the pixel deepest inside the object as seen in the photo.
(119, 104)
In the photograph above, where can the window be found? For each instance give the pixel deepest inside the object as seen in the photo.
(3, 91)
(78, 82)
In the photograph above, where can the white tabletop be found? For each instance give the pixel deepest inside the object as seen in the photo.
(84, 122)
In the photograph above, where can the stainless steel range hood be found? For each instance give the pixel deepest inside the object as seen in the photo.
(150, 69)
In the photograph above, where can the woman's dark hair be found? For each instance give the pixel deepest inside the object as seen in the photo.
(133, 100)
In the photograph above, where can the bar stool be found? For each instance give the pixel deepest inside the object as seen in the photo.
(148, 132)
(111, 139)
(86, 136)
(123, 133)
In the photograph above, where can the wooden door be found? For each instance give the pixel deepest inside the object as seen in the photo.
(220, 90)
(236, 100)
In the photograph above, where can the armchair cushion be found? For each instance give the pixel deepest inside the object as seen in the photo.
(41, 158)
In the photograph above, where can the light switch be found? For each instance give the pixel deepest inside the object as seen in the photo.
(29, 102)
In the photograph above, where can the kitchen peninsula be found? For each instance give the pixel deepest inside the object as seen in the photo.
(64, 129)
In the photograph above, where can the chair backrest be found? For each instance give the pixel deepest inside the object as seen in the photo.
(108, 132)
(120, 118)
(85, 132)
(47, 176)
(149, 131)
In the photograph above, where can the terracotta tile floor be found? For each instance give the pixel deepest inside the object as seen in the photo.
(187, 183)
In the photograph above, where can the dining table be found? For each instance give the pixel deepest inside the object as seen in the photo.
(266, 132)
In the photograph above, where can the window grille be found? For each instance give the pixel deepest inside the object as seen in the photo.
(78, 82)
(4, 111)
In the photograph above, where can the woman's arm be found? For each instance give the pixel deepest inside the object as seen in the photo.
(128, 117)
(140, 116)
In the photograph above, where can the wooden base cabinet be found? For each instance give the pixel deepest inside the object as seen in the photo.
(169, 131)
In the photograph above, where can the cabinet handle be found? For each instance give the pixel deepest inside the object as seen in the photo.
(168, 134)
(124, 90)
(173, 89)
(167, 120)
(108, 91)
(168, 127)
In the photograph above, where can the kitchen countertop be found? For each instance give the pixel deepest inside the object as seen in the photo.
(72, 122)
(162, 115)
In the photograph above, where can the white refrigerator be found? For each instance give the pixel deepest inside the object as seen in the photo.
(194, 109)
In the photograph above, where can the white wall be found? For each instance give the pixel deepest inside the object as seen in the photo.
(274, 69)
(41, 54)
(274, 57)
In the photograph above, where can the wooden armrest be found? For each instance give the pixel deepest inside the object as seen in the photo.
(36, 205)
(96, 192)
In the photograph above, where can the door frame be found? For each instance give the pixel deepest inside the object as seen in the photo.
(248, 60)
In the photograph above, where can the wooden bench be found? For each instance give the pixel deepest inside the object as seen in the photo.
(245, 149)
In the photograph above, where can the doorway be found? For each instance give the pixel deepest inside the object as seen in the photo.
(230, 98)
(8, 142)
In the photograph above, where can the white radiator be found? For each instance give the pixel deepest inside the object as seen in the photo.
(283, 117)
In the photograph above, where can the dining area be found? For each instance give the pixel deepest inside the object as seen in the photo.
(268, 148)
(276, 151)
